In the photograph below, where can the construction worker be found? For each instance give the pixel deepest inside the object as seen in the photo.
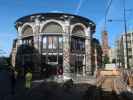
(28, 79)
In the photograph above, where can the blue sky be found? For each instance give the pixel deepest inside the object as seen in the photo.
(11, 10)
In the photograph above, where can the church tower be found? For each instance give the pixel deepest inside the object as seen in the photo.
(105, 47)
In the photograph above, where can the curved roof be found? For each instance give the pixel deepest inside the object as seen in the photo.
(57, 16)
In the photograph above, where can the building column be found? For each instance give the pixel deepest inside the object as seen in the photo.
(36, 38)
(88, 52)
(19, 36)
(36, 33)
(66, 52)
(96, 61)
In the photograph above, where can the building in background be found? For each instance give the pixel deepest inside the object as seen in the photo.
(112, 55)
(105, 46)
(121, 50)
(59, 40)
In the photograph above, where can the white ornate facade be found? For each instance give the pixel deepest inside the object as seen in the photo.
(57, 39)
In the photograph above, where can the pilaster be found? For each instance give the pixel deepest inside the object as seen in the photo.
(37, 44)
(84, 68)
(66, 52)
(88, 52)
(19, 41)
(36, 33)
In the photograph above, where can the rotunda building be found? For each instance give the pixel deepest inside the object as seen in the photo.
(58, 42)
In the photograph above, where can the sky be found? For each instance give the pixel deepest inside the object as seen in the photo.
(11, 10)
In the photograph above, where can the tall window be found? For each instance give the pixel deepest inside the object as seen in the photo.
(28, 41)
(78, 44)
(44, 42)
(50, 41)
(55, 42)
(60, 42)
(78, 41)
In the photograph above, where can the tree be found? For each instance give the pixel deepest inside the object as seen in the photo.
(106, 59)
(114, 61)
(4, 62)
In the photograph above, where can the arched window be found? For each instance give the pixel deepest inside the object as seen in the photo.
(52, 27)
(77, 39)
(78, 31)
(52, 41)
(27, 31)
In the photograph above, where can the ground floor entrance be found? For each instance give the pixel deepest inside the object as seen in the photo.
(52, 64)
(77, 63)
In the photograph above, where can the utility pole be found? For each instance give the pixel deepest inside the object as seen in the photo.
(125, 34)
(125, 28)
(106, 13)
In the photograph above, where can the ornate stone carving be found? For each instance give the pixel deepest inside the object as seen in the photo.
(66, 52)
(88, 51)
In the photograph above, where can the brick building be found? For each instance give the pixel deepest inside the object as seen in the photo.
(105, 46)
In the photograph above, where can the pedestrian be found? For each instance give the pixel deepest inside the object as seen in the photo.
(28, 79)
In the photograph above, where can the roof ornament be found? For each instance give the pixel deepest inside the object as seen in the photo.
(67, 19)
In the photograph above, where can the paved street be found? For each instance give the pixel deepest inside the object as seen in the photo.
(53, 91)
(111, 88)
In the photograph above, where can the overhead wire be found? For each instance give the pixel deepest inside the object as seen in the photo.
(106, 12)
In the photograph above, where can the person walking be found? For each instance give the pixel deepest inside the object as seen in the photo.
(28, 79)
